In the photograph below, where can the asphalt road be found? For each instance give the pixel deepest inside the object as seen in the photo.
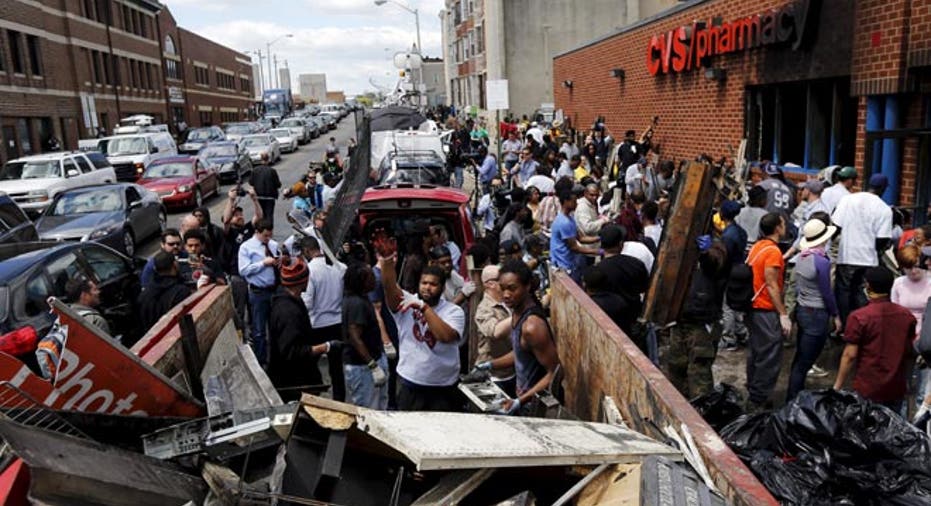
(291, 167)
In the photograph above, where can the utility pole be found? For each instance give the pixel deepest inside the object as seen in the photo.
(277, 84)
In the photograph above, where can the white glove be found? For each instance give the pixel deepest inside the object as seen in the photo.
(512, 409)
(391, 351)
(411, 301)
(378, 375)
(468, 288)
(786, 323)
(202, 281)
(483, 366)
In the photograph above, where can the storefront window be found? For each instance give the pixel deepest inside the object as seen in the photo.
(25, 139)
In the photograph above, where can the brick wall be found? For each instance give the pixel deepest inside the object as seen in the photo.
(697, 115)
(195, 48)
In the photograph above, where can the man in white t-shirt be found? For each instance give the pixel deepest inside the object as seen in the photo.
(865, 223)
(639, 251)
(430, 330)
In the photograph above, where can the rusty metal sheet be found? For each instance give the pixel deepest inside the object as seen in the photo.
(435, 441)
(65, 470)
(675, 260)
(599, 360)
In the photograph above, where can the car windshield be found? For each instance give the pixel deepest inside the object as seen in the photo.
(280, 132)
(238, 129)
(30, 170)
(169, 170)
(291, 123)
(127, 146)
(199, 135)
(217, 151)
(84, 202)
(252, 142)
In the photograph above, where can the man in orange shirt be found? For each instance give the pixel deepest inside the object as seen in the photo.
(769, 321)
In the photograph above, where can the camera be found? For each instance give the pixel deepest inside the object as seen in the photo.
(239, 191)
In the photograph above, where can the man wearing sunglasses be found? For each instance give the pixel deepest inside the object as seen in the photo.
(171, 243)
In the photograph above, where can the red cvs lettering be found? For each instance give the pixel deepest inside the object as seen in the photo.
(422, 332)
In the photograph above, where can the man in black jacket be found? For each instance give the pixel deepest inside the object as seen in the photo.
(292, 360)
(266, 183)
(693, 341)
(165, 292)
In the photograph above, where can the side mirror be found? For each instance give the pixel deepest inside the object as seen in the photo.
(72, 173)
(153, 150)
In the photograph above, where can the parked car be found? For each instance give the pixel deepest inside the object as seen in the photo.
(32, 182)
(287, 139)
(132, 154)
(181, 181)
(260, 145)
(231, 162)
(236, 131)
(265, 125)
(30, 273)
(407, 210)
(299, 128)
(317, 126)
(330, 120)
(15, 226)
(200, 137)
(119, 215)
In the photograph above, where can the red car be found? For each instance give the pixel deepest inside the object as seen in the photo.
(404, 209)
(181, 181)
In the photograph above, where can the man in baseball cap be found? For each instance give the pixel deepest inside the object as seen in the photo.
(845, 177)
(866, 232)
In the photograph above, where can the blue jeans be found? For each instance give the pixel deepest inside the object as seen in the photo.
(457, 171)
(813, 326)
(260, 302)
(360, 386)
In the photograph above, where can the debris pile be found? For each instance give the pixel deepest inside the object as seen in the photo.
(830, 447)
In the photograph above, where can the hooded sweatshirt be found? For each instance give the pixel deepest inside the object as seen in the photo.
(162, 294)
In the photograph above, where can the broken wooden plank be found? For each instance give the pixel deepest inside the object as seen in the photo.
(454, 487)
(677, 255)
(232, 368)
(66, 470)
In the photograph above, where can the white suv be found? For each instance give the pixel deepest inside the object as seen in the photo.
(33, 181)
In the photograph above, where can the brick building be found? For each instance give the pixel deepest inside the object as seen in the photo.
(815, 83)
(69, 68)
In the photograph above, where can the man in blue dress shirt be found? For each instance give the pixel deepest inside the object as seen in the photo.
(258, 264)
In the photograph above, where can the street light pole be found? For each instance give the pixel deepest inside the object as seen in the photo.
(258, 53)
(268, 53)
(416, 14)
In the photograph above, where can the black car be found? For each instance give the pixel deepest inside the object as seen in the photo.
(413, 167)
(119, 215)
(198, 138)
(230, 160)
(32, 272)
(15, 226)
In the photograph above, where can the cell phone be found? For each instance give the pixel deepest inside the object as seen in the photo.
(239, 191)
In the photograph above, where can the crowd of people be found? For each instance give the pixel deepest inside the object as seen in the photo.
(812, 259)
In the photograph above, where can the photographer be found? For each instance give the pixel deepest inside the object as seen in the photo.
(237, 231)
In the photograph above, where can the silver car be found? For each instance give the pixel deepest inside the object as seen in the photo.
(287, 139)
(261, 146)
(299, 128)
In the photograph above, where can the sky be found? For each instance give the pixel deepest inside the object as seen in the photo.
(351, 41)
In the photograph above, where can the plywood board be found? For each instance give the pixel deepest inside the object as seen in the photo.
(472, 441)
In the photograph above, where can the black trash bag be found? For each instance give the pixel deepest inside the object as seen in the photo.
(719, 407)
(829, 447)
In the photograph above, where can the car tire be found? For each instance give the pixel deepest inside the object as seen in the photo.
(198, 198)
(129, 243)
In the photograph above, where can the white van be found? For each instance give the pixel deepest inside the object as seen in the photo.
(33, 181)
(130, 155)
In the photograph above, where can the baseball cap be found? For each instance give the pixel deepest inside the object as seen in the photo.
(814, 186)
(730, 209)
(490, 272)
(879, 181)
(510, 246)
(847, 173)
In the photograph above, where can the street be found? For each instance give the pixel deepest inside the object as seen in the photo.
(291, 167)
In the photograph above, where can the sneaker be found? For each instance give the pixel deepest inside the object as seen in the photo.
(728, 344)
(817, 372)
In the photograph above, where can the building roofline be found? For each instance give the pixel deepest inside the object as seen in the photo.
(684, 6)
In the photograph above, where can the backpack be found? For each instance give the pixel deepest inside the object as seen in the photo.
(739, 293)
